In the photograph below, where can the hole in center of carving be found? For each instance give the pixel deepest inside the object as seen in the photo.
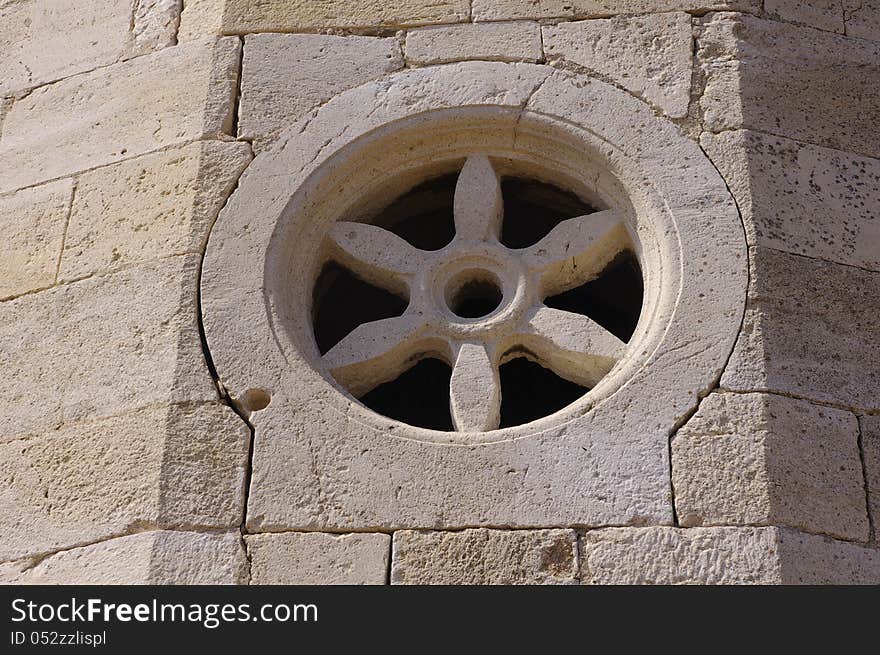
(474, 294)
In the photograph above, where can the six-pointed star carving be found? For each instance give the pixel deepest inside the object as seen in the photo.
(572, 345)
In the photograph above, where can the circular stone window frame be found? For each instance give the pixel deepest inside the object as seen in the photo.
(573, 131)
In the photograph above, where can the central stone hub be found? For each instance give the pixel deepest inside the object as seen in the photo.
(473, 293)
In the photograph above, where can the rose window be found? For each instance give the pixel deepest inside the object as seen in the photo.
(475, 302)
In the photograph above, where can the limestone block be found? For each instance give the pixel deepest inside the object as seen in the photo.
(810, 330)
(648, 55)
(661, 555)
(821, 14)
(150, 207)
(862, 18)
(46, 41)
(119, 112)
(673, 556)
(157, 557)
(505, 41)
(870, 430)
(315, 558)
(792, 81)
(810, 559)
(168, 466)
(482, 556)
(285, 75)
(32, 222)
(101, 347)
(802, 198)
(155, 25)
(508, 9)
(200, 18)
(757, 459)
(302, 15)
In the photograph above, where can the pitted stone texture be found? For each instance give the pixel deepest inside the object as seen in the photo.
(485, 557)
(304, 15)
(756, 459)
(862, 18)
(792, 81)
(810, 330)
(46, 41)
(167, 466)
(155, 25)
(315, 558)
(32, 222)
(508, 9)
(802, 198)
(870, 432)
(157, 557)
(723, 556)
(648, 55)
(504, 41)
(119, 112)
(821, 14)
(673, 556)
(807, 559)
(199, 19)
(150, 207)
(286, 75)
(101, 347)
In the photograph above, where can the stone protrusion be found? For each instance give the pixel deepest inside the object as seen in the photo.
(504, 41)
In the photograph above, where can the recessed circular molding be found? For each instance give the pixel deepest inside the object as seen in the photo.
(321, 458)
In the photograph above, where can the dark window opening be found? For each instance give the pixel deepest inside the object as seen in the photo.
(529, 392)
(613, 300)
(342, 302)
(532, 209)
(423, 216)
(419, 396)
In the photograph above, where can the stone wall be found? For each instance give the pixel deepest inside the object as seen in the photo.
(123, 461)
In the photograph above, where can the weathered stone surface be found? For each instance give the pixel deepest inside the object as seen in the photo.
(821, 14)
(32, 222)
(862, 18)
(802, 198)
(870, 432)
(810, 330)
(293, 15)
(157, 557)
(757, 459)
(792, 81)
(315, 558)
(155, 25)
(200, 18)
(648, 55)
(481, 556)
(723, 556)
(505, 41)
(166, 466)
(507, 9)
(5, 105)
(150, 207)
(285, 75)
(807, 559)
(119, 112)
(674, 556)
(103, 346)
(46, 41)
